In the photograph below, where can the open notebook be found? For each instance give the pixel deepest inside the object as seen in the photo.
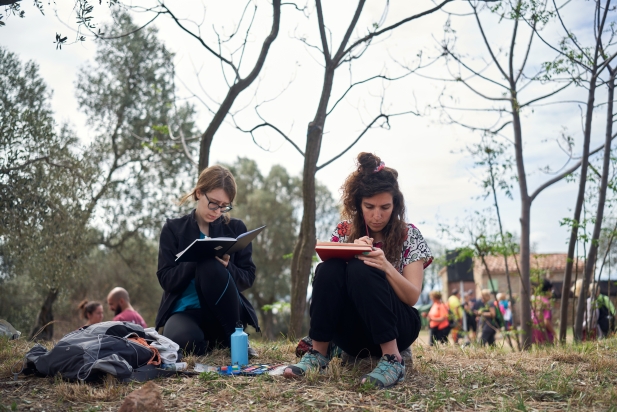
(218, 246)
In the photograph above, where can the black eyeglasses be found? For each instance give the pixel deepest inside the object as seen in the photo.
(215, 206)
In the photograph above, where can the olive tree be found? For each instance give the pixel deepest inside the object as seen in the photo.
(44, 182)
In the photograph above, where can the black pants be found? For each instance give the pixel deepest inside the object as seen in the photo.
(603, 321)
(472, 324)
(488, 334)
(200, 330)
(355, 307)
(439, 335)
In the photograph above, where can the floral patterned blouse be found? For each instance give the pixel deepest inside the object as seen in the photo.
(414, 247)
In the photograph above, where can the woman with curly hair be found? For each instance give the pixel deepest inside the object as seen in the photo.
(364, 306)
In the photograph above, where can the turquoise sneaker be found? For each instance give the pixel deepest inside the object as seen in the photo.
(387, 373)
(312, 360)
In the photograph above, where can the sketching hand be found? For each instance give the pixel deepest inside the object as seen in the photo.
(364, 240)
(224, 261)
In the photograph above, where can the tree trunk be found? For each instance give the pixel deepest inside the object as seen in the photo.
(525, 273)
(44, 327)
(525, 222)
(305, 247)
(579, 204)
(583, 181)
(593, 249)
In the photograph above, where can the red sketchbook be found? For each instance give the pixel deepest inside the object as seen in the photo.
(346, 251)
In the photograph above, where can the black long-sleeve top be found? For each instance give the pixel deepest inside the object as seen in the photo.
(174, 277)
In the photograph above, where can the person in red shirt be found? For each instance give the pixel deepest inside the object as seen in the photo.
(120, 304)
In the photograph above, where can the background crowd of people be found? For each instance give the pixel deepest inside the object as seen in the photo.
(479, 320)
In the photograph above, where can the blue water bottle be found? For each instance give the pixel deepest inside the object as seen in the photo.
(239, 347)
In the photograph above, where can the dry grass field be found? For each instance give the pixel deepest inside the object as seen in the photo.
(579, 377)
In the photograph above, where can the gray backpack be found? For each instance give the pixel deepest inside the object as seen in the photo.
(89, 353)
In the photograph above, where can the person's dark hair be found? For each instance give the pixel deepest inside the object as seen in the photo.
(87, 308)
(546, 285)
(372, 178)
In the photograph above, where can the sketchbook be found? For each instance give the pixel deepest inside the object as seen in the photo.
(201, 249)
(335, 250)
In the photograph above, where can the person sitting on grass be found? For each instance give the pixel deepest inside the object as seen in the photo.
(202, 302)
(91, 311)
(119, 303)
(365, 306)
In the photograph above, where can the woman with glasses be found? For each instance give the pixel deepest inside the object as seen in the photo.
(201, 302)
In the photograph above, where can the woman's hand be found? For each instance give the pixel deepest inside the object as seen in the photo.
(224, 261)
(376, 259)
(364, 240)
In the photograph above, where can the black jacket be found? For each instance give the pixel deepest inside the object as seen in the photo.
(177, 235)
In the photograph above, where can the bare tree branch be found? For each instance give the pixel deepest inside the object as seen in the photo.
(389, 28)
(248, 30)
(474, 72)
(201, 41)
(270, 125)
(366, 129)
(545, 96)
(512, 43)
(570, 36)
(487, 44)
(520, 72)
(341, 51)
(98, 36)
(379, 76)
(237, 88)
(502, 99)
(564, 173)
(322, 32)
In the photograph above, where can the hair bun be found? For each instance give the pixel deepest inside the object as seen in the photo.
(82, 304)
(367, 162)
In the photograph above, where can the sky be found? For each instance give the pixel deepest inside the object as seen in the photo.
(436, 172)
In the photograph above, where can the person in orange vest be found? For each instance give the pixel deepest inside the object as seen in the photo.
(439, 323)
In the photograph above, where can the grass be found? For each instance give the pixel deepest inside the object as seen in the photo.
(575, 377)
